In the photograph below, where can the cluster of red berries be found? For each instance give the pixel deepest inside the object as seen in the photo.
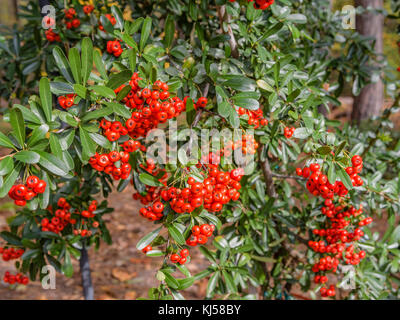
(180, 258)
(201, 102)
(288, 132)
(67, 101)
(132, 146)
(114, 163)
(153, 213)
(256, 117)
(112, 20)
(88, 9)
(216, 190)
(62, 217)
(11, 253)
(357, 165)
(71, 21)
(259, 4)
(318, 183)
(200, 234)
(17, 278)
(113, 130)
(330, 292)
(21, 193)
(114, 48)
(51, 36)
(336, 242)
(150, 106)
(342, 227)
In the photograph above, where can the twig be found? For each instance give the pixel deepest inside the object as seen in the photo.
(225, 17)
(267, 173)
(88, 291)
(283, 176)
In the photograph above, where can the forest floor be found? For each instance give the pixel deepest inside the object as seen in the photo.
(119, 271)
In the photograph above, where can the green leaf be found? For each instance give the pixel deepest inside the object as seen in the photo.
(297, 18)
(149, 180)
(46, 98)
(9, 180)
(67, 267)
(171, 281)
(132, 58)
(273, 30)
(146, 28)
(52, 164)
(119, 79)
(324, 150)
(60, 88)
(123, 93)
(11, 238)
(5, 141)
(88, 145)
(28, 114)
(176, 234)
(332, 173)
(55, 145)
(265, 86)
(239, 82)
(148, 238)
(75, 63)
(190, 111)
(100, 140)
(345, 178)
(212, 283)
(107, 24)
(301, 133)
(6, 166)
(134, 27)
(87, 58)
(185, 283)
(97, 114)
(63, 64)
(80, 90)
(116, 11)
(98, 62)
(45, 196)
(247, 103)
(169, 30)
(229, 282)
(119, 109)
(18, 125)
(224, 109)
(103, 91)
(29, 157)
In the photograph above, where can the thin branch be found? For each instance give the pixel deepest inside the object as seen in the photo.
(225, 17)
(267, 173)
(283, 176)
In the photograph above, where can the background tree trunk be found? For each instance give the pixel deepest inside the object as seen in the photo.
(370, 101)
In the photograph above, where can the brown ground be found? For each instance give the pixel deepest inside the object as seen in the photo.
(119, 271)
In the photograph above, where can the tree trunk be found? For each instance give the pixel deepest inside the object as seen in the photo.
(88, 290)
(370, 101)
